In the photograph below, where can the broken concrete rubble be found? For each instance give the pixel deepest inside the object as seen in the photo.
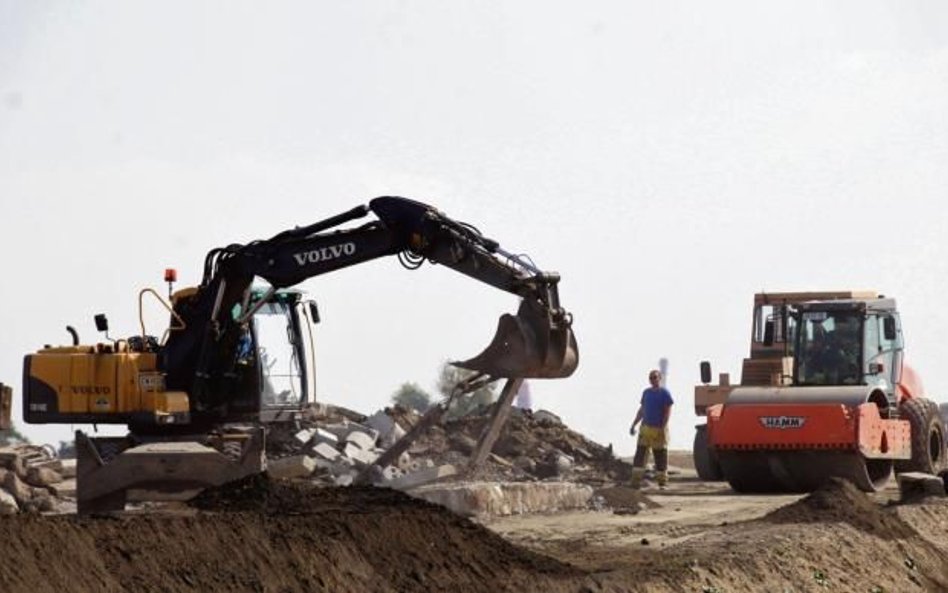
(326, 451)
(362, 439)
(42, 476)
(17, 487)
(64, 489)
(360, 456)
(298, 466)
(388, 430)
(421, 477)
(28, 475)
(533, 450)
(8, 504)
(68, 468)
(506, 498)
(334, 448)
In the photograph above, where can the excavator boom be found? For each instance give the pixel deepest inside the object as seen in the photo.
(536, 342)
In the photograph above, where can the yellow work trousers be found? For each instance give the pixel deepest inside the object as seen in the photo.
(652, 439)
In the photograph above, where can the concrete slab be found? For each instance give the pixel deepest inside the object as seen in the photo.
(340, 430)
(388, 430)
(42, 476)
(380, 422)
(506, 498)
(344, 479)
(360, 456)
(421, 477)
(364, 439)
(8, 505)
(919, 484)
(326, 451)
(298, 466)
(69, 468)
(65, 489)
(324, 436)
(304, 436)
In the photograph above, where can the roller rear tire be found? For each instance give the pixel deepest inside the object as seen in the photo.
(706, 461)
(928, 438)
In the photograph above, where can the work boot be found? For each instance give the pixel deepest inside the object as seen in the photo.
(662, 479)
(661, 467)
(636, 481)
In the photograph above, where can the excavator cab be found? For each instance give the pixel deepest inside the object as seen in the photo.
(275, 356)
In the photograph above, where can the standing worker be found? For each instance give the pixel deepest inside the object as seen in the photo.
(524, 401)
(654, 411)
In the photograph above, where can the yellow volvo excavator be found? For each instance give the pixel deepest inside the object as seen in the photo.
(235, 357)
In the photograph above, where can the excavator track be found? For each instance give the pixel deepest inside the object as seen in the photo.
(800, 470)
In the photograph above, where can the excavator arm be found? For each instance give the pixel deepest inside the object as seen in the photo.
(537, 342)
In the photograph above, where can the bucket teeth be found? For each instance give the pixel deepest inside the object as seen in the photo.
(528, 344)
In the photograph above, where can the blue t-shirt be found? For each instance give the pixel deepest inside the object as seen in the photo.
(654, 402)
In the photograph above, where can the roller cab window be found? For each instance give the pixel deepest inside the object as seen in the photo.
(829, 348)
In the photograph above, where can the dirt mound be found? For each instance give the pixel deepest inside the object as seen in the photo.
(273, 537)
(839, 501)
(624, 498)
(259, 494)
(531, 446)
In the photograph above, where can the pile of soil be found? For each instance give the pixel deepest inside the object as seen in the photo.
(258, 493)
(839, 501)
(623, 498)
(528, 448)
(273, 537)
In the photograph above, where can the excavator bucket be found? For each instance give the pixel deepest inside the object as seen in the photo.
(529, 345)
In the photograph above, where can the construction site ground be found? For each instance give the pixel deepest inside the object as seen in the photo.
(268, 536)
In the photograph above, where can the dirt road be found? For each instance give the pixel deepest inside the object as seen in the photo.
(702, 537)
(687, 509)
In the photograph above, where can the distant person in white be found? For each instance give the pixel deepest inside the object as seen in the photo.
(523, 397)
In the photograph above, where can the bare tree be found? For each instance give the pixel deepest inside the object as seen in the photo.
(449, 377)
(411, 396)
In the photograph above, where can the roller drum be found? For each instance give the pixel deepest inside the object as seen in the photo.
(800, 470)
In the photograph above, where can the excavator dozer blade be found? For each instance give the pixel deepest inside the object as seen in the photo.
(527, 345)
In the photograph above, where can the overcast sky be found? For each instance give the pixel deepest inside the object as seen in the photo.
(668, 159)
